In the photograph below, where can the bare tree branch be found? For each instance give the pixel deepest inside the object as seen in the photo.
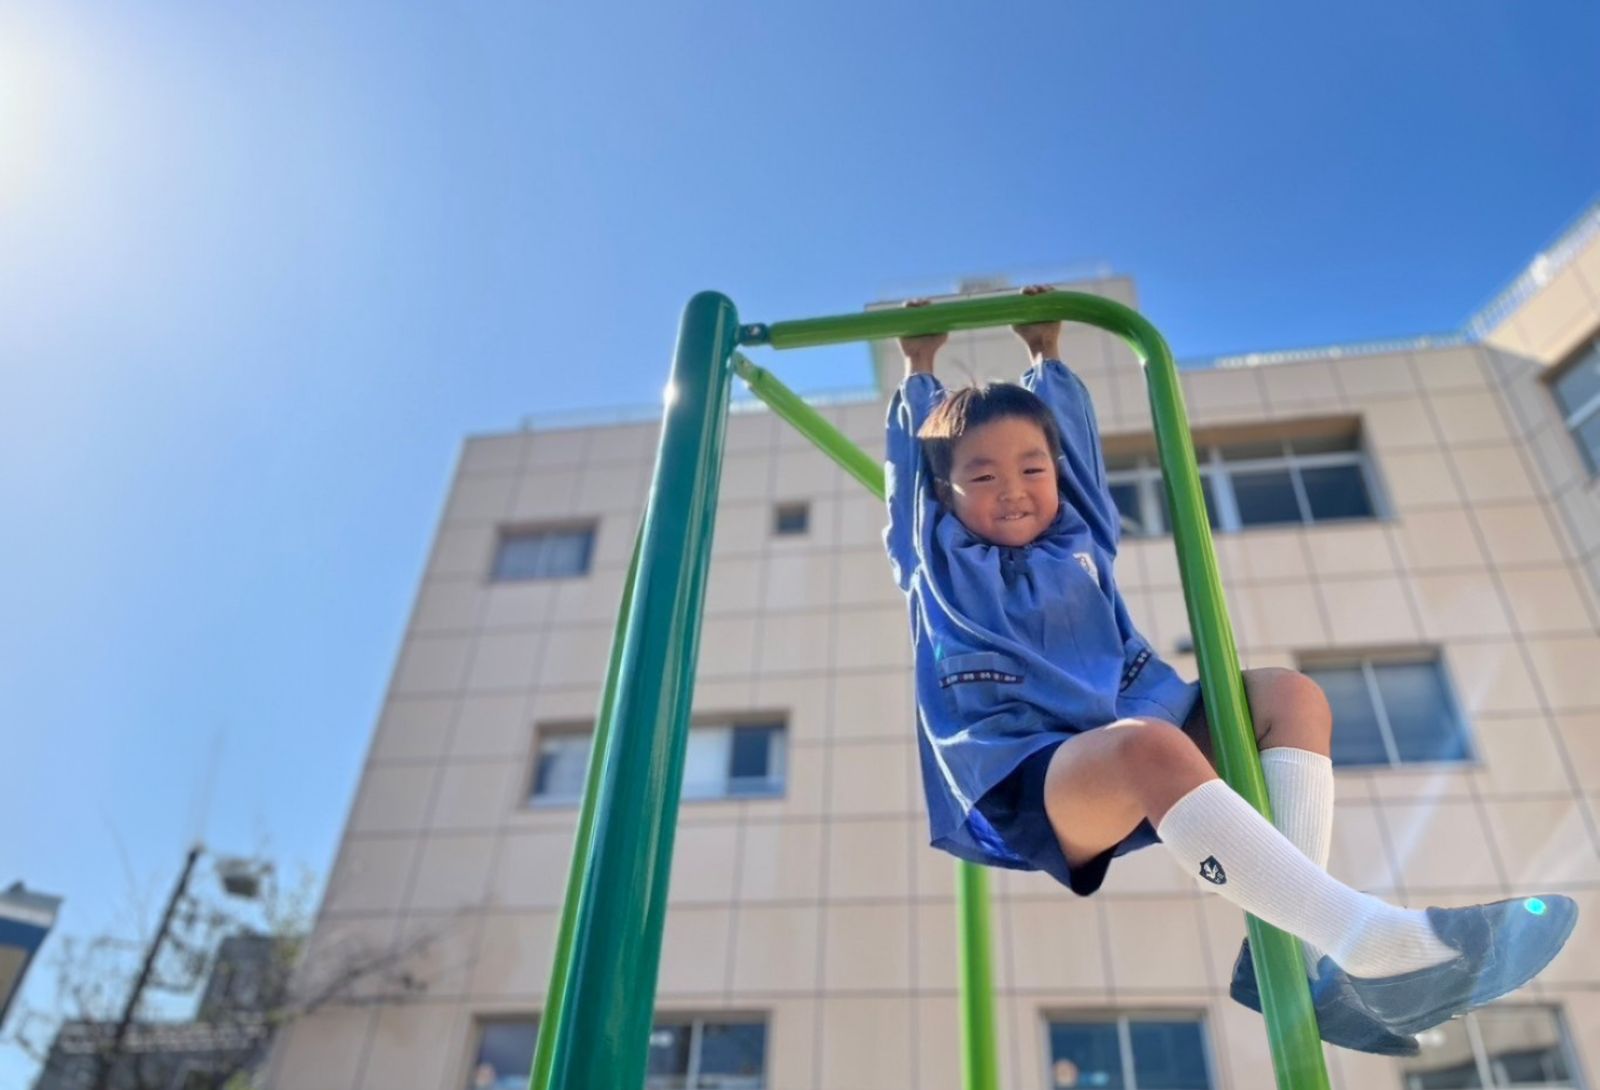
(227, 1041)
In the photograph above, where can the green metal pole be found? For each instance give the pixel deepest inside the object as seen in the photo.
(602, 1037)
(1286, 999)
(980, 1053)
(1292, 1032)
(550, 1019)
(793, 410)
(879, 325)
(980, 1047)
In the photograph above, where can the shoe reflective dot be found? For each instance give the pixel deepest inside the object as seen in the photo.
(1534, 905)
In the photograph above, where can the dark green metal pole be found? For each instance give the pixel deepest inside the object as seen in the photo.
(602, 1036)
(980, 1053)
(1291, 1022)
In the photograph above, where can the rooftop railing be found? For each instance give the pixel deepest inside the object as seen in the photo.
(1539, 272)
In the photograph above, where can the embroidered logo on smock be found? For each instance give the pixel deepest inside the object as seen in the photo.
(1086, 562)
(1212, 871)
(1135, 665)
(965, 676)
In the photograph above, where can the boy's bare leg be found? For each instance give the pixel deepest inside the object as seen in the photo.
(1103, 783)
(1092, 802)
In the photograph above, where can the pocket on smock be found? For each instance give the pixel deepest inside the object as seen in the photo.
(985, 685)
(1136, 655)
(1149, 686)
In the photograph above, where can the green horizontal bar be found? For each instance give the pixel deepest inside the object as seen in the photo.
(878, 325)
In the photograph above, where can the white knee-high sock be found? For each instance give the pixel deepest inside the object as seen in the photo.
(1300, 786)
(1220, 837)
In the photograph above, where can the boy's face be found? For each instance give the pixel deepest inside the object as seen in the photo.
(1003, 481)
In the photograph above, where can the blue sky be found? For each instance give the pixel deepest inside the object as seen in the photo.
(261, 270)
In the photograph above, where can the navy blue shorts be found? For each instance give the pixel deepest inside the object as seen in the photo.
(1015, 807)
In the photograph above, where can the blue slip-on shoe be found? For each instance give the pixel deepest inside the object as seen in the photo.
(1341, 1018)
(1502, 946)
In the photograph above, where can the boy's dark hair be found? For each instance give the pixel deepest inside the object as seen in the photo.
(974, 406)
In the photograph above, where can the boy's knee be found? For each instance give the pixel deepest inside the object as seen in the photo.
(1155, 744)
(1297, 704)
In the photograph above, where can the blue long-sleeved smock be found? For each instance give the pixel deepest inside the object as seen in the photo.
(1014, 648)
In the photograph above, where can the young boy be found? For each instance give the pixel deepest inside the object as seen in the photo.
(1054, 738)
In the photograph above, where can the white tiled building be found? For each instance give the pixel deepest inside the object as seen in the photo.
(1418, 525)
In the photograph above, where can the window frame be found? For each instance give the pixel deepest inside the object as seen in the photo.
(1368, 661)
(1216, 474)
(507, 533)
(777, 787)
(1585, 412)
(1484, 1064)
(1123, 1020)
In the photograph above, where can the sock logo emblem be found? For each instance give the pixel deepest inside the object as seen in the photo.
(1212, 871)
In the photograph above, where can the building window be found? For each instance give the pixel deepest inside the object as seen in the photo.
(685, 1054)
(557, 552)
(1577, 391)
(505, 1056)
(1493, 1047)
(791, 518)
(699, 1054)
(561, 764)
(1391, 711)
(724, 760)
(1126, 1051)
(1301, 479)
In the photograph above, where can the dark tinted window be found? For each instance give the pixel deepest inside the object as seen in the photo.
(505, 1056)
(733, 1057)
(1337, 492)
(791, 518)
(751, 753)
(1265, 497)
(668, 1064)
(1420, 713)
(1418, 720)
(1169, 1056)
(1086, 1054)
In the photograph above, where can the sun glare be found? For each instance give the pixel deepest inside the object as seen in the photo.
(40, 77)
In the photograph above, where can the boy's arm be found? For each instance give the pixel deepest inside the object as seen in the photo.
(1073, 409)
(919, 394)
